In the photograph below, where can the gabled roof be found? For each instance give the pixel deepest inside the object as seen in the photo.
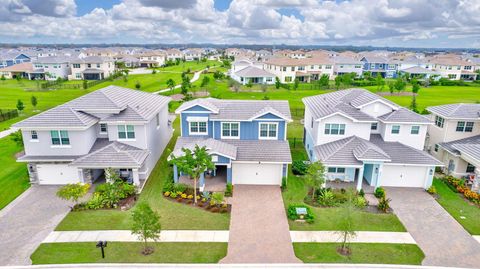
(126, 104)
(244, 110)
(457, 111)
(346, 102)
(419, 70)
(404, 115)
(112, 154)
(21, 67)
(375, 59)
(469, 146)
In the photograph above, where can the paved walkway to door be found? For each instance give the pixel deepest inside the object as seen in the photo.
(441, 237)
(26, 221)
(259, 231)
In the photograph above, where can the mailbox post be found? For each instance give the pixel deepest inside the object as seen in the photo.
(102, 245)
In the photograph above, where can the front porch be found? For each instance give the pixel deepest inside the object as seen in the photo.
(98, 176)
(212, 181)
(364, 177)
(352, 184)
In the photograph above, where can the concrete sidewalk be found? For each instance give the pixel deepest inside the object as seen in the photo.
(361, 237)
(126, 236)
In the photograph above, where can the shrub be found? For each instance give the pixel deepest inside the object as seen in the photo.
(292, 213)
(184, 196)
(384, 204)
(180, 187)
(166, 194)
(340, 196)
(361, 202)
(432, 190)
(73, 192)
(190, 197)
(229, 190)
(379, 192)
(96, 202)
(326, 197)
(168, 184)
(218, 197)
(205, 195)
(299, 167)
(361, 193)
(173, 195)
(111, 193)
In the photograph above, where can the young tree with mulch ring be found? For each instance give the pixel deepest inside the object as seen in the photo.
(345, 225)
(315, 177)
(146, 225)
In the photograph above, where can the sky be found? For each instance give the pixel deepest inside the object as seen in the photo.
(385, 23)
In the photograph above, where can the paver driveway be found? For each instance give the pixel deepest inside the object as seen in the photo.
(441, 237)
(259, 231)
(27, 221)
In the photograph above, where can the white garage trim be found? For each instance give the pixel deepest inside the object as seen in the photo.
(257, 174)
(404, 176)
(57, 174)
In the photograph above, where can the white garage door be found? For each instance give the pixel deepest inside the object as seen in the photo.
(56, 174)
(403, 176)
(256, 174)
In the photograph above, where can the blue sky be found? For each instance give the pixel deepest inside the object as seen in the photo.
(401, 23)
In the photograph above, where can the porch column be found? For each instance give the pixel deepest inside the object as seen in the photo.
(175, 173)
(360, 179)
(107, 176)
(476, 181)
(429, 177)
(136, 178)
(379, 176)
(229, 173)
(80, 176)
(202, 180)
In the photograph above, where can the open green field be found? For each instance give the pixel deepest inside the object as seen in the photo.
(173, 216)
(122, 252)
(13, 175)
(192, 65)
(468, 215)
(361, 253)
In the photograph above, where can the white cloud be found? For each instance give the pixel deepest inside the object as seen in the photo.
(390, 22)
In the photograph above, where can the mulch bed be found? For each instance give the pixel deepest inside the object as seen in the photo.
(202, 205)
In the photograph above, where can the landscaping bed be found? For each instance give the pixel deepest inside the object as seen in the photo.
(464, 211)
(123, 252)
(367, 253)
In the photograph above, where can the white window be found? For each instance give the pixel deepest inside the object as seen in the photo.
(157, 118)
(334, 129)
(198, 128)
(59, 138)
(374, 126)
(336, 170)
(395, 129)
(230, 130)
(34, 135)
(439, 121)
(415, 130)
(391, 66)
(268, 130)
(468, 67)
(126, 132)
(328, 66)
(103, 128)
(78, 76)
(98, 65)
(465, 126)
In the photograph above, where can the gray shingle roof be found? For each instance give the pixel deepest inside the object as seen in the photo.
(346, 102)
(242, 150)
(211, 144)
(457, 111)
(404, 115)
(419, 70)
(469, 146)
(403, 154)
(252, 71)
(92, 60)
(239, 109)
(112, 154)
(126, 104)
(349, 151)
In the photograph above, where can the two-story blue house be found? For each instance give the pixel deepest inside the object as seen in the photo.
(9, 59)
(246, 139)
(379, 65)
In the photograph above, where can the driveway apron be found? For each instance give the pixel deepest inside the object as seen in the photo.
(439, 235)
(27, 221)
(259, 231)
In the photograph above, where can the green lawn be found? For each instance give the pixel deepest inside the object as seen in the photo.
(192, 65)
(466, 214)
(13, 175)
(122, 252)
(361, 253)
(174, 216)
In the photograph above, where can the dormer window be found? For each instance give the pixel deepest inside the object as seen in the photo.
(334, 129)
(198, 128)
(268, 130)
(230, 130)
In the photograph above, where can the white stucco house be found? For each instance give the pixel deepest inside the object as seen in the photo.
(245, 71)
(454, 138)
(365, 139)
(113, 127)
